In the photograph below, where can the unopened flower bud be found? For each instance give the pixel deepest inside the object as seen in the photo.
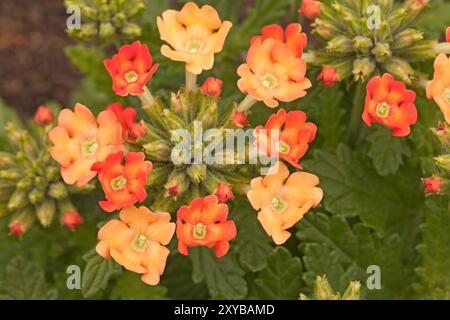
(443, 162)
(239, 119)
(197, 172)
(18, 200)
(43, 116)
(328, 76)
(137, 131)
(224, 193)
(24, 184)
(106, 29)
(72, 220)
(52, 173)
(407, 37)
(400, 69)
(362, 44)
(157, 150)
(171, 120)
(382, 51)
(433, 185)
(132, 30)
(45, 212)
(36, 196)
(10, 175)
(322, 289)
(353, 291)
(310, 9)
(58, 191)
(6, 160)
(212, 87)
(362, 68)
(177, 183)
(442, 132)
(340, 44)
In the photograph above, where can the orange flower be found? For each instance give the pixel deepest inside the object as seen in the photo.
(124, 185)
(126, 117)
(194, 35)
(72, 219)
(204, 223)
(137, 241)
(273, 72)
(389, 103)
(294, 136)
(310, 9)
(212, 87)
(283, 199)
(43, 116)
(131, 69)
(80, 141)
(439, 88)
(328, 76)
(136, 132)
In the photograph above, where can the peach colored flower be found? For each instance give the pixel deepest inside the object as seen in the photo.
(43, 116)
(390, 104)
(204, 223)
(273, 73)
(328, 76)
(131, 68)
(137, 241)
(212, 87)
(310, 9)
(439, 88)
(282, 199)
(194, 35)
(294, 136)
(80, 140)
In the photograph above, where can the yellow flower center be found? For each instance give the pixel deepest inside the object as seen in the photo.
(140, 243)
(194, 46)
(118, 183)
(89, 148)
(447, 94)
(284, 147)
(279, 205)
(199, 231)
(383, 110)
(131, 76)
(269, 81)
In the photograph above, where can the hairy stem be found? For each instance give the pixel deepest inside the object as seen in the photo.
(246, 104)
(146, 97)
(191, 81)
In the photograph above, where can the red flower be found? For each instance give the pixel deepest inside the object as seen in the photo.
(131, 69)
(239, 119)
(432, 185)
(204, 223)
(137, 131)
(212, 87)
(72, 219)
(224, 193)
(126, 117)
(124, 185)
(17, 229)
(293, 37)
(389, 103)
(328, 76)
(310, 9)
(294, 136)
(43, 116)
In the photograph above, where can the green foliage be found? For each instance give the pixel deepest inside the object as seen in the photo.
(130, 287)
(386, 151)
(280, 279)
(21, 280)
(434, 22)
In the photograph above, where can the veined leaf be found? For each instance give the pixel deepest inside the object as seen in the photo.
(223, 276)
(281, 278)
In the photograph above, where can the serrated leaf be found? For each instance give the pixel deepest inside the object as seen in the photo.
(253, 243)
(353, 250)
(435, 250)
(281, 278)
(20, 280)
(129, 286)
(97, 273)
(223, 276)
(386, 151)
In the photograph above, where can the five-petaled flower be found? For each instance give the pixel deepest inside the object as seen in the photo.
(286, 135)
(274, 70)
(328, 76)
(124, 185)
(310, 9)
(389, 103)
(439, 88)
(282, 199)
(204, 223)
(137, 241)
(126, 117)
(80, 140)
(212, 87)
(131, 68)
(43, 116)
(194, 35)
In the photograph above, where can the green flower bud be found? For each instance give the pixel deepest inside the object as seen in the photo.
(339, 44)
(154, 112)
(36, 196)
(382, 51)
(21, 221)
(106, 30)
(322, 289)
(58, 191)
(401, 69)
(6, 160)
(159, 175)
(52, 173)
(25, 184)
(197, 173)
(131, 29)
(362, 44)
(45, 212)
(40, 183)
(172, 121)
(443, 162)
(177, 183)
(362, 69)
(353, 291)
(406, 38)
(18, 200)
(10, 175)
(158, 150)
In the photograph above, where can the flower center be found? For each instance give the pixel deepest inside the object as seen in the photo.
(140, 243)
(194, 46)
(284, 147)
(447, 94)
(383, 110)
(199, 232)
(278, 204)
(131, 76)
(118, 183)
(269, 81)
(89, 148)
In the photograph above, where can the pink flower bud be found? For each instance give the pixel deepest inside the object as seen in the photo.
(310, 9)
(43, 116)
(328, 76)
(212, 87)
(72, 219)
(136, 131)
(224, 193)
(433, 185)
(239, 119)
(17, 229)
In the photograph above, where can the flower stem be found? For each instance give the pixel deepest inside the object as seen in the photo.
(191, 81)
(246, 104)
(146, 97)
(443, 47)
(355, 120)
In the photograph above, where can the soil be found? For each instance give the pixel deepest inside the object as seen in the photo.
(33, 67)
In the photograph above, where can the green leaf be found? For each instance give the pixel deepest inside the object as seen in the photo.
(435, 19)
(129, 286)
(435, 250)
(97, 273)
(387, 151)
(352, 250)
(280, 279)
(253, 243)
(20, 280)
(223, 276)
